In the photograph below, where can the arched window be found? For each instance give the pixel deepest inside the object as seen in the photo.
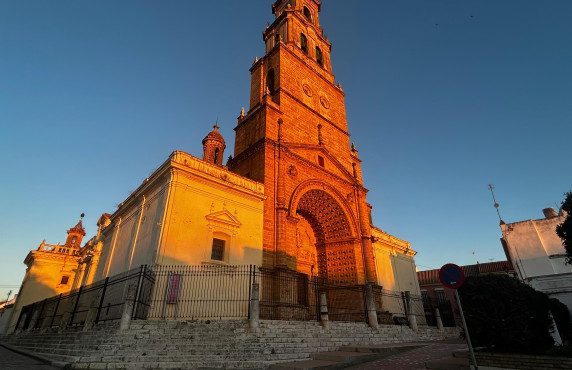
(216, 156)
(307, 14)
(319, 56)
(270, 81)
(304, 43)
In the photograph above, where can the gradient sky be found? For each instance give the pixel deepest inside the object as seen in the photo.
(443, 98)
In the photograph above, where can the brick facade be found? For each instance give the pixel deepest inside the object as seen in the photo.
(295, 140)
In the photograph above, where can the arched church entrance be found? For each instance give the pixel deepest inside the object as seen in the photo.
(325, 241)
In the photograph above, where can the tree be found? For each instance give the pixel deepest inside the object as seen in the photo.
(506, 315)
(564, 230)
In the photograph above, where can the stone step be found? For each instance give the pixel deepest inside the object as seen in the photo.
(308, 365)
(349, 358)
(450, 363)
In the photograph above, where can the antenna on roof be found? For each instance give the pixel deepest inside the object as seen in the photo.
(496, 205)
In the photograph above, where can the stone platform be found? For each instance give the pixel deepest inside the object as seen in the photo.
(206, 344)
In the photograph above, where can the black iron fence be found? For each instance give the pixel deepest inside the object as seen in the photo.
(221, 292)
(104, 300)
(209, 291)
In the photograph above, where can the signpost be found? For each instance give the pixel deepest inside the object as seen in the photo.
(452, 276)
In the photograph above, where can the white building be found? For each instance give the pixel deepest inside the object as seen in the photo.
(538, 255)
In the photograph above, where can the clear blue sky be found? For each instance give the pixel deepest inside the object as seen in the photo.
(443, 98)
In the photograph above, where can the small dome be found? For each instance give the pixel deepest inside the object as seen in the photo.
(214, 135)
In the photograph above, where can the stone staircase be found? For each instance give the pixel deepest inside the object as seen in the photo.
(347, 356)
(205, 344)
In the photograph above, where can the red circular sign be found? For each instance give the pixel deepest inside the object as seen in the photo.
(451, 276)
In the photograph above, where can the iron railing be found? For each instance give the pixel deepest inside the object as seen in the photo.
(224, 292)
(105, 299)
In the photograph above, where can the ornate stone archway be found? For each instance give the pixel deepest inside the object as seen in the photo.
(326, 234)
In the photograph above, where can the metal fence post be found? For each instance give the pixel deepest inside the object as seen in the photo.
(405, 308)
(38, 320)
(318, 298)
(138, 291)
(75, 306)
(56, 310)
(102, 299)
(250, 272)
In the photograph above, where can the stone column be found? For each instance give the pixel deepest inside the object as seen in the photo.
(254, 308)
(371, 310)
(128, 308)
(410, 314)
(438, 319)
(324, 318)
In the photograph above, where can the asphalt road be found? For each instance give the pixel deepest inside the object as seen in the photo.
(14, 361)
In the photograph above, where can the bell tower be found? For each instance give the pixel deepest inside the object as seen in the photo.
(75, 235)
(294, 139)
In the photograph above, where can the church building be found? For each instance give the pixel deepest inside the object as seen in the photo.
(291, 196)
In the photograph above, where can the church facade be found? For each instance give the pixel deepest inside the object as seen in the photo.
(292, 195)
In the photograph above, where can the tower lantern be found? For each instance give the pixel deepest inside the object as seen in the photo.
(213, 147)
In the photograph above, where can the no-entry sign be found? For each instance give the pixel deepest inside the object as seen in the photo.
(452, 276)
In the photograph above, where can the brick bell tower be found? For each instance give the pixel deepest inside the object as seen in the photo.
(295, 140)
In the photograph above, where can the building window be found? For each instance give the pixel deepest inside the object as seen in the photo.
(173, 288)
(321, 161)
(277, 39)
(64, 280)
(319, 58)
(307, 14)
(270, 81)
(304, 43)
(440, 295)
(217, 253)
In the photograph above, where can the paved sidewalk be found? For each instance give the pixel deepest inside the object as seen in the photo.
(10, 360)
(416, 359)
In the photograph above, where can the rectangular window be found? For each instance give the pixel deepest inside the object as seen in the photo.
(321, 161)
(441, 298)
(304, 43)
(173, 288)
(65, 280)
(218, 250)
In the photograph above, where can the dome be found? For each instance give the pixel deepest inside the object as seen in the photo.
(214, 135)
